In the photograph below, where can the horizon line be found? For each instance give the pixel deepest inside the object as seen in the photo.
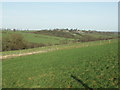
(60, 29)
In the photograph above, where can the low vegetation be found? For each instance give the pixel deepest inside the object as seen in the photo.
(72, 59)
(17, 40)
(92, 66)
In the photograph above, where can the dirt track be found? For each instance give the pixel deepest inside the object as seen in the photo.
(24, 54)
(48, 50)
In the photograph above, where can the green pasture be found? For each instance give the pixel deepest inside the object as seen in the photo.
(95, 65)
(38, 38)
(70, 45)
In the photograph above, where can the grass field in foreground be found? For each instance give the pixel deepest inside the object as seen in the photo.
(96, 66)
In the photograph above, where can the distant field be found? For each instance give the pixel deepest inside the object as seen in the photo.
(19, 40)
(59, 37)
(37, 38)
(95, 65)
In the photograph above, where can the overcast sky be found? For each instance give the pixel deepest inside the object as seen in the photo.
(49, 15)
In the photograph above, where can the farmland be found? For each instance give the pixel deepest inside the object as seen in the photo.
(36, 38)
(19, 40)
(59, 45)
(93, 63)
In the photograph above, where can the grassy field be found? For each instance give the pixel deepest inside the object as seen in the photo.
(37, 38)
(70, 45)
(95, 66)
(57, 37)
(19, 40)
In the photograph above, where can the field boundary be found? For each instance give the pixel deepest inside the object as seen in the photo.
(51, 49)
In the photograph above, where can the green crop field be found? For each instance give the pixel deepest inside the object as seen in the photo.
(59, 45)
(39, 38)
(94, 66)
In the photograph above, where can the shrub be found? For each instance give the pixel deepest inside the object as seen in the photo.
(17, 42)
(13, 42)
